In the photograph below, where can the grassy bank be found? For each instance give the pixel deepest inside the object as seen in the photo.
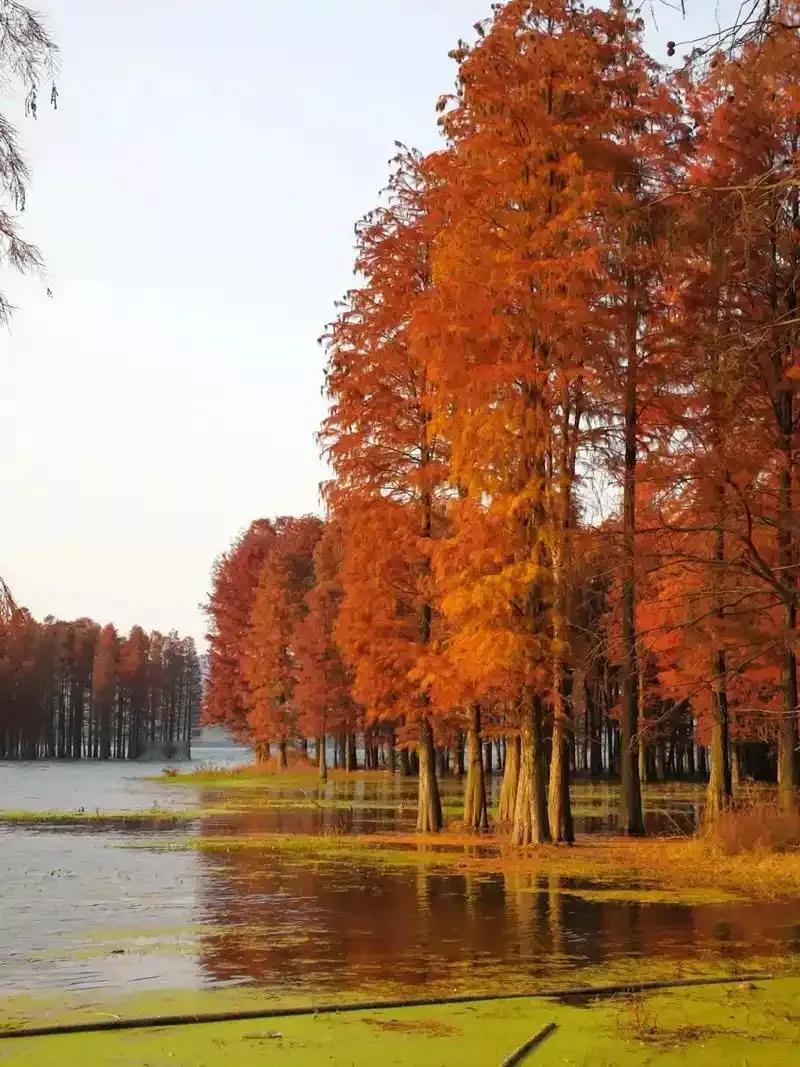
(744, 1023)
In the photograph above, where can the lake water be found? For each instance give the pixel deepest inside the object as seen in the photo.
(125, 908)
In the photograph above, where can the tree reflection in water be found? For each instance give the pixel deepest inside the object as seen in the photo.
(292, 921)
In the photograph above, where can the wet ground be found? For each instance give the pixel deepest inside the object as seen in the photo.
(121, 907)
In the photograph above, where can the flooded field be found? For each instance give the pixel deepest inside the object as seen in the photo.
(214, 898)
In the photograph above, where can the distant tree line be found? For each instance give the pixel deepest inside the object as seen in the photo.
(76, 690)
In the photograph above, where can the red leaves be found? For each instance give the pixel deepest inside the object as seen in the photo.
(593, 283)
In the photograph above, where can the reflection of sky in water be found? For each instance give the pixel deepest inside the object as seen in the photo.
(59, 887)
(112, 786)
(78, 909)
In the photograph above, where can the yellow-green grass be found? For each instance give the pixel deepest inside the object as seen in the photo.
(81, 817)
(745, 1023)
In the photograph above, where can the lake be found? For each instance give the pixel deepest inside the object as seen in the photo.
(208, 902)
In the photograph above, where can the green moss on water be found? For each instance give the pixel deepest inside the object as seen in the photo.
(246, 778)
(310, 848)
(716, 1025)
(98, 818)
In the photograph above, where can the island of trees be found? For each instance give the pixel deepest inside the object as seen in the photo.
(562, 530)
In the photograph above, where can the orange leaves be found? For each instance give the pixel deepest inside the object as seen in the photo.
(381, 627)
(234, 580)
(323, 690)
(278, 608)
(537, 311)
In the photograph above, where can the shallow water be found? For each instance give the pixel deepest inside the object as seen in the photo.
(64, 785)
(122, 909)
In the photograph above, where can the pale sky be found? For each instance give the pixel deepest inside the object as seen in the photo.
(194, 197)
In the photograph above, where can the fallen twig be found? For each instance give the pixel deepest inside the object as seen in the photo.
(523, 1050)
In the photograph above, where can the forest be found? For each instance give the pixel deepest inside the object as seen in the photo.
(76, 690)
(561, 532)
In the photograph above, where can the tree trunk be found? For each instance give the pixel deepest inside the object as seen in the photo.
(261, 749)
(283, 759)
(405, 763)
(441, 761)
(429, 806)
(661, 769)
(560, 812)
(691, 769)
(719, 795)
(391, 755)
(631, 820)
(787, 732)
(558, 805)
(487, 753)
(322, 758)
(476, 813)
(530, 812)
(783, 408)
(458, 757)
(642, 733)
(736, 764)
(595, 738)
(508, 789)
(105, 730)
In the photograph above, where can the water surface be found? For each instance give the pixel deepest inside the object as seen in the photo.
(123, 908)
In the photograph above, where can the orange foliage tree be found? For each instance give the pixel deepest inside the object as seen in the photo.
(387, 464)
(323, 690)
(270, 666)
(562, 434)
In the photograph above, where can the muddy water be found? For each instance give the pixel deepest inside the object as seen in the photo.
(125, 909)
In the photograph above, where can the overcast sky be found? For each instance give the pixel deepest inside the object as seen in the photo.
(194, 196)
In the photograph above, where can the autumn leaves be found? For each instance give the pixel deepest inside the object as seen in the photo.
(483, 356)
(561, 432)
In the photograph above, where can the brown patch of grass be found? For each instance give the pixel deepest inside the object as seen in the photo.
(760, 827)
(426, 1027)
(658, 863)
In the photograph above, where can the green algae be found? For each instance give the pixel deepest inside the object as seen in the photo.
(244, 778)
(717, 1025)
(95, 1005)
(98, 818)
(314, 847)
